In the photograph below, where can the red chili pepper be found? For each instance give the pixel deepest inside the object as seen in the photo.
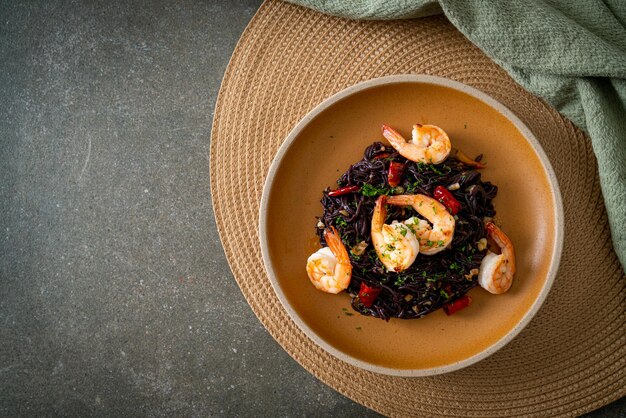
(367, 295)
(445, 197)
(395, 173)
(344, 190)
(381, 156)
(457, 305)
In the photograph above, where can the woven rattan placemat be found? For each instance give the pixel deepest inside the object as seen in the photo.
(569, 360)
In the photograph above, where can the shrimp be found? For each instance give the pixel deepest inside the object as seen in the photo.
(497, 270)
(396, 245)
(433, 238)
(329, 268)
(430, 144)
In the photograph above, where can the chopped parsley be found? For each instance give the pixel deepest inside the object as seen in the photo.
(412, 187)
(373, 191)
(455, 266)
(339, 221)
(425, 167)
(400, 281)
(443, 293)
(435, 170)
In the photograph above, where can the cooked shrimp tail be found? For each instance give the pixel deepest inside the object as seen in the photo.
(497, 270)
(380, 212)
(336, 245)
(394, 137)
(401, 200)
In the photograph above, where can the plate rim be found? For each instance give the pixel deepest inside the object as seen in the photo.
(528, 136)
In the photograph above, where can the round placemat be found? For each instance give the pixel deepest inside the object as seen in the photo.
(571, 357)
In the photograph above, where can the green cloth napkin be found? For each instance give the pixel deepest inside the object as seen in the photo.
(570, 53)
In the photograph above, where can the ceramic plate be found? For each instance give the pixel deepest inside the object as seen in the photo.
(331, 138)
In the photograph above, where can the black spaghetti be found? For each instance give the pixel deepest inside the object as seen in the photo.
(432, 281)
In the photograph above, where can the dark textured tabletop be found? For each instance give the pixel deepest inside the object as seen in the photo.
(115, 295)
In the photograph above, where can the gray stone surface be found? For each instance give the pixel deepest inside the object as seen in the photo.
(115, 295)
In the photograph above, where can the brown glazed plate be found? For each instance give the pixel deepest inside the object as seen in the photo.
(332, 137)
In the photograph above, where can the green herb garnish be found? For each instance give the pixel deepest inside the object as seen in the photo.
(400, 281)
(412, 187)
(339, 221)
(373, 191)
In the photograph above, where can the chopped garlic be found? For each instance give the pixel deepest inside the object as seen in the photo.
(455, 186)
(408, 298)
(481, 244)
(320, 224)
(472, 273)
(359, 248)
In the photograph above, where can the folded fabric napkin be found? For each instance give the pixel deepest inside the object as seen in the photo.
(570, 53)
